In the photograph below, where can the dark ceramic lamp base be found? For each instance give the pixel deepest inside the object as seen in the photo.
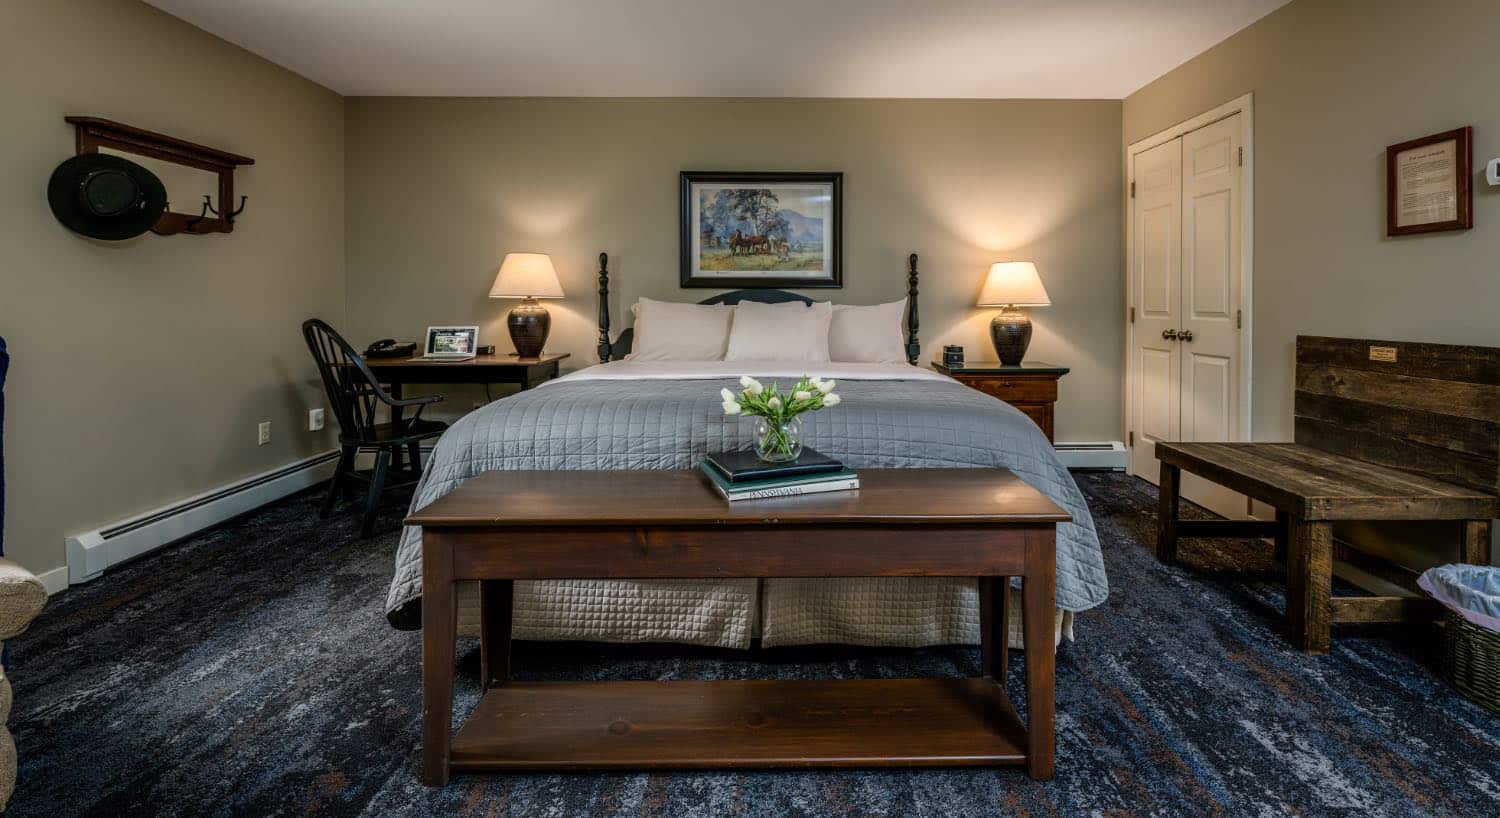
(1010, 332)
(529, 324)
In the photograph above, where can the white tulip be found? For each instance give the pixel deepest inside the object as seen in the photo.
(802, 394)
(728, 396)
(831, 399)
(774, 402)
(826, 386)
(731, 407)
(751, 385)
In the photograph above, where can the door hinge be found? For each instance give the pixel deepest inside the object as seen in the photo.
(1132, 315)
(1242, 155)
(1239, 319)
(1130, 437)
(1132, 188)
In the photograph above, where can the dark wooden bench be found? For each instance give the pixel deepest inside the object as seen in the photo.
(1384, 431)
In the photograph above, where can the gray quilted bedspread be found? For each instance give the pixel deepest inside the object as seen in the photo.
(671, 424)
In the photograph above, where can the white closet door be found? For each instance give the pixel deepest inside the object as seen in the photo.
(1156, 293)
(1209, 335)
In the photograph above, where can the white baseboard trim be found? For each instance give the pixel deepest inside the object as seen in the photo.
(91, 552)
(55, 580)
(1106, 455)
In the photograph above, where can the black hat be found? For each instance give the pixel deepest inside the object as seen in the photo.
(105, 197)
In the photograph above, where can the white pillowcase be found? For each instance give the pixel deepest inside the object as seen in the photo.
(669, 331)
(780, 332)
(875, 334)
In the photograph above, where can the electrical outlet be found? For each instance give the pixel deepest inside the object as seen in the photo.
(263, 433)
(314, 419)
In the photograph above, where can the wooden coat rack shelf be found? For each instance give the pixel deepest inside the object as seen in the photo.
(95, 133)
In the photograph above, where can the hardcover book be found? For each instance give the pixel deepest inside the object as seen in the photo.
(738, 467)
(841, 480)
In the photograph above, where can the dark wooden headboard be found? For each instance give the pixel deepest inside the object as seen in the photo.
(615, 350)
(1432, 409)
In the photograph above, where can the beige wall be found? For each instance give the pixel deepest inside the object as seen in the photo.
(1334, 83)
(440, 189)
(140, 369)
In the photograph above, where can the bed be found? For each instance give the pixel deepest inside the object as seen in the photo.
(641, 414)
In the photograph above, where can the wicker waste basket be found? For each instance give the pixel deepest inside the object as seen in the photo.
(1471, 628)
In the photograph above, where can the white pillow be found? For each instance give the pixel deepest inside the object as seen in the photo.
(780, 332)
(875, 334)
(669, 331)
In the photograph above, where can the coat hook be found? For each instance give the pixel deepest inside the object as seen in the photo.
(207, 206)
(229, 217)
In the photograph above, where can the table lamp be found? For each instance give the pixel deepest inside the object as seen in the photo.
(1010, 285)
(527, 276)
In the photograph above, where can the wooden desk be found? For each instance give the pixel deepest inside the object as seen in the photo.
(481, 369)
(485, 369)
(1030, 386)
(507, 525)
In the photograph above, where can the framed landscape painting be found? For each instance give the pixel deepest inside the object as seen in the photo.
(749, 230)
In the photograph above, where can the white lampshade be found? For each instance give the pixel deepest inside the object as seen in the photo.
(1013, 283)
(526, 275)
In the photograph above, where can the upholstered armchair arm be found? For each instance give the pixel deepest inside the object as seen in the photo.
(22, 596)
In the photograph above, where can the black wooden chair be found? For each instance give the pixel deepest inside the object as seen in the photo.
(355, 395)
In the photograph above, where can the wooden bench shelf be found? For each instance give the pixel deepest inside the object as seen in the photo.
(740, 724)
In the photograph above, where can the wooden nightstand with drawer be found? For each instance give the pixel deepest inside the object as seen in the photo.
(1030, 387)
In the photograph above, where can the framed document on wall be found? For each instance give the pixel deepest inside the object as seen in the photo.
(1427, 184)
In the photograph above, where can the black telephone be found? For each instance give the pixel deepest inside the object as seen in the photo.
(388, 348)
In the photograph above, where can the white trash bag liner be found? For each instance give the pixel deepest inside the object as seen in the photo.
(1471, 591)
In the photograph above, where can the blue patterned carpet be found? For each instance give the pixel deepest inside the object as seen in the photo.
(250, 671)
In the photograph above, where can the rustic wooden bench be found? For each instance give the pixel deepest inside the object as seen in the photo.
(1383, 431)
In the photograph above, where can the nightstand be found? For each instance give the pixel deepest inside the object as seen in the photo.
(1030, 387)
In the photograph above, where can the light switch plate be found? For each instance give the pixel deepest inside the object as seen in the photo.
(1492, 172)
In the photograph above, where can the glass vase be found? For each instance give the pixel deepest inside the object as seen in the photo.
(778, 442)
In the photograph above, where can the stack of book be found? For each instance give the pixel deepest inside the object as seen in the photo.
(743, 476)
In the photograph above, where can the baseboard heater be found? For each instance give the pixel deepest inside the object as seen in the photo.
(1108, 455)
(90, 553)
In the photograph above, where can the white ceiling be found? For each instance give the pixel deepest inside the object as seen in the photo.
(1079, 49)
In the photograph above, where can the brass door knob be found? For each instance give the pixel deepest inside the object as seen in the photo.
(1186, 335)
(1169, 335)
